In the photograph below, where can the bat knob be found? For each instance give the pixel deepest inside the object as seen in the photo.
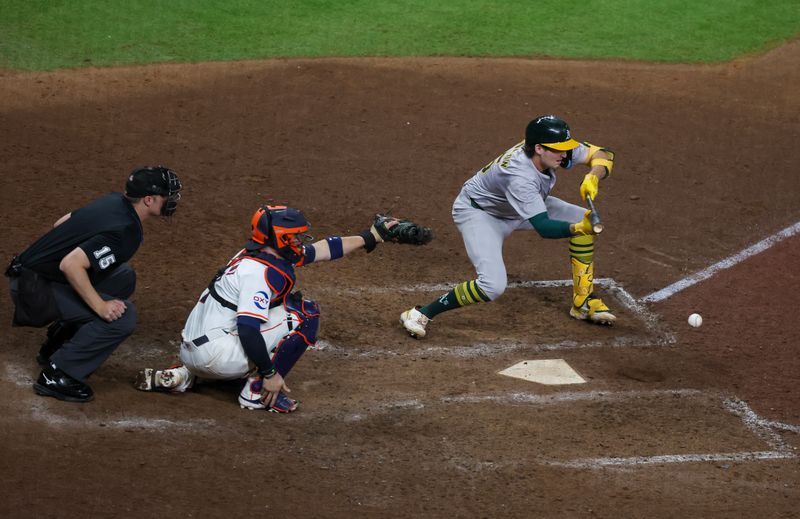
(598, 228)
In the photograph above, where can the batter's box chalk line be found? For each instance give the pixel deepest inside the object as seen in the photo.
(726, 263)
(765, 430)
(46, 410)
(661, 336)
(658, 336)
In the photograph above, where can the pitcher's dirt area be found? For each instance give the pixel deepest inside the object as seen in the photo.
(672, 421)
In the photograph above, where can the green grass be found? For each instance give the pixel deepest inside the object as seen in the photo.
(42, 35)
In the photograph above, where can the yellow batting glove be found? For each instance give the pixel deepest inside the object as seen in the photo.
(589, 186)
(584, 227)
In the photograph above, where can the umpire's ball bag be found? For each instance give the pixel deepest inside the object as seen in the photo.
(34, 304)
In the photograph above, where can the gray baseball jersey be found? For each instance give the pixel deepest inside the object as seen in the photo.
(511, 187)
(509, 191)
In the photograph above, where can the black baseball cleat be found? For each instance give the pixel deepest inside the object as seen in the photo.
(54, 382)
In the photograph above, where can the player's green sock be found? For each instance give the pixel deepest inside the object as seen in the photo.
(466, 293)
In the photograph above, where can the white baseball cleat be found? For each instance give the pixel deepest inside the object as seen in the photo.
(250, 398)
(414, 322)
(175, 379)
(593, 310)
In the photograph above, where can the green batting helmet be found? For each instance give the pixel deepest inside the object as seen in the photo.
(550, 131)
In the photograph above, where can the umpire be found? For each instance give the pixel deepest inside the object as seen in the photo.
(76, 279)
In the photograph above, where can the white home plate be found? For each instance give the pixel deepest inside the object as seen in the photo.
(550, 372)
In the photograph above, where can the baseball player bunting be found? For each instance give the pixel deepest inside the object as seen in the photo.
(248, 323)
(512, 193)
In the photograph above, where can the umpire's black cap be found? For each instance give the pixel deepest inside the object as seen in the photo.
(152, 180)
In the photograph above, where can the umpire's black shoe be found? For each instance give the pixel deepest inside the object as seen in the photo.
(57, 334)
(54, 382)
(43, 357)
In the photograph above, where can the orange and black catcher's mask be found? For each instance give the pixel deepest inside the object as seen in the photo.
(282, 228)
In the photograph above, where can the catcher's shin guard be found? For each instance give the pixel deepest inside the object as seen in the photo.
(292, 347)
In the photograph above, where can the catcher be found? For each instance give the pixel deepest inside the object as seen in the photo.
(513, 193)
(248, 322)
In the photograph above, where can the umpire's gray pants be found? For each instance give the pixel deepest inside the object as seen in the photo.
(96, 339)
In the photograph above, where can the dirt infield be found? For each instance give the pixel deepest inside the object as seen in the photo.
(672, 421)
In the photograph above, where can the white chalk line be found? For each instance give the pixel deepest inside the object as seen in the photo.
(764, 429)
(44, 409)
(482, 349)
(656, 296)
(520, 398)
(443, 287)
(596, 463)
(659, 336)
(726, 263)
(569, 396)
(18, 376)
(782, 426)
(761, 427)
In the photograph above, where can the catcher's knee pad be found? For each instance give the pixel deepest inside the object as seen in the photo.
(309, 308)
(304, 307)
(308, 329)
(307, 312)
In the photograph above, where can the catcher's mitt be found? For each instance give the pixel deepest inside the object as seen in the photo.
(404, 231)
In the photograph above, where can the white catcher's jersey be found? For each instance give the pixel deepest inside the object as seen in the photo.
(511, 187)
(250, 285)
(244, 284)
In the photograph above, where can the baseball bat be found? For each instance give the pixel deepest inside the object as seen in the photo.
(594, 218)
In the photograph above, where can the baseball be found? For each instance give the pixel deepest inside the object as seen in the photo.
(695, 320)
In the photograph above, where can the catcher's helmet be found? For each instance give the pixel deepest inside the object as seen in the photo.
(280, 227)
(550, 131)
(155, 180)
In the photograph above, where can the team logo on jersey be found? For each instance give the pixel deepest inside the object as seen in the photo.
(261, 300)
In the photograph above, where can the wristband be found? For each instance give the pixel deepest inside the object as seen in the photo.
(335, 246)
(606, 163)
(271, 372)
(369, 240)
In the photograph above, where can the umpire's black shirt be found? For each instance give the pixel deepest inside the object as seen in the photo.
(108, 230)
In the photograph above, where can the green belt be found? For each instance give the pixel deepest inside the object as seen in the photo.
(475, 204)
